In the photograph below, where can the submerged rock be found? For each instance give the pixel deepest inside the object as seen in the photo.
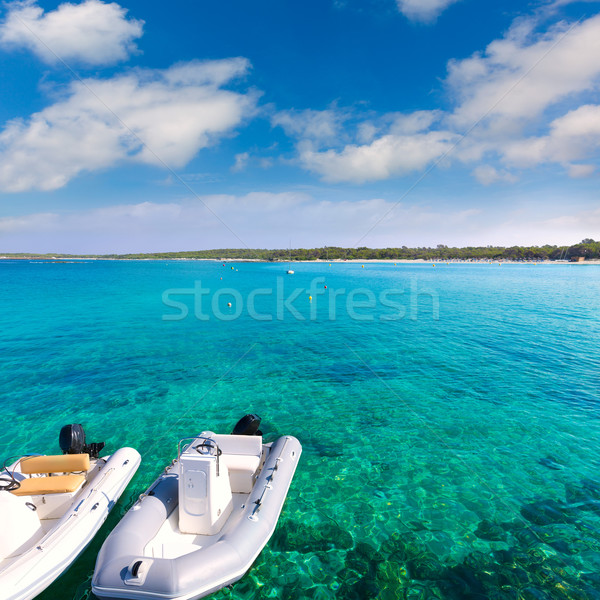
(292, 536)
(486, 530)
(546, 512)
(551, 463)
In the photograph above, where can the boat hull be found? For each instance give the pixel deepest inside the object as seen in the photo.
(202, 571)
(28, 574)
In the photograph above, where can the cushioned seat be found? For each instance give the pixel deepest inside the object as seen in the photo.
(59, 484)
(59, 463)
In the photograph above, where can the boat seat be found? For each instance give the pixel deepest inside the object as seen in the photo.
(241, 471)
(59, 463)
(58, 484)
(241, 454)
(52, 484)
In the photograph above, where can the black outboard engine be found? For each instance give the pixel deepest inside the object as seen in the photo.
(72, 441)
(248, 425)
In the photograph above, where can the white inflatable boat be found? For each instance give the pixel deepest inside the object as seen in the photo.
(203, 522)
(51, 508)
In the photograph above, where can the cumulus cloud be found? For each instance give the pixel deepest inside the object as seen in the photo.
(148, 116)
(499, 122)
(519, 76)
(387, 156)
(425, 11)
(573, 137)
(91, 33)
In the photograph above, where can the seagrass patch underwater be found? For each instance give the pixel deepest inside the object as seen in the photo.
(449, 416)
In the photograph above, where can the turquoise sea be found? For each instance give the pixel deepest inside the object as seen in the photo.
(449, 415)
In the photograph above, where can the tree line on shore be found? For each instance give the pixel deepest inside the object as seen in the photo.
(588, 248)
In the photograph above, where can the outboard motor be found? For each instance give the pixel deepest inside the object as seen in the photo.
(72, 441)
(247, 425)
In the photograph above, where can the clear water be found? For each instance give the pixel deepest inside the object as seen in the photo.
(451, 432)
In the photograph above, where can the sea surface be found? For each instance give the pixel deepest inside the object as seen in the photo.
(449, 414)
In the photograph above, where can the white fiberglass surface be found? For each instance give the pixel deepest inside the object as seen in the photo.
(169, 542)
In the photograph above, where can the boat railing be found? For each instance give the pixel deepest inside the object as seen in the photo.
(207, 447)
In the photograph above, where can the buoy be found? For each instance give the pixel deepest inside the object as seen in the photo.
(325, 287)
(310, 298)
(363, 266)
(329, 264)
(433, 265)
(221, 279)
(232, 268)
(223, 264)
(229, 304)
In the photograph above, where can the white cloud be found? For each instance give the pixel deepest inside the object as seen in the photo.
(385, 157)
(425, 11)
(268, 220)
(151, 117)
(256, 219)
(486, 175)
(581, 171)
(415, 122)
(241, 161)
(573, 137)
(518, 77)
(91, 33)
(317, 125)
(502, 96)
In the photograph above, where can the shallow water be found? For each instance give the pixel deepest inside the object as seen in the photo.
(450, 426)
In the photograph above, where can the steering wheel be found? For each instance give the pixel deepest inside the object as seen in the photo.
(206, 447)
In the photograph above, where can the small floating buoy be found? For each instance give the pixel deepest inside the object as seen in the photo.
(232, 268)
(223, 264)
(229, 304)
(433, 265)
(310, 298)
(329, 264)
(363, 266)
(325, 287)
(221, 279)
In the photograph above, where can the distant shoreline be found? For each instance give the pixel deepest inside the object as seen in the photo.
(588, 250)
(62, 259)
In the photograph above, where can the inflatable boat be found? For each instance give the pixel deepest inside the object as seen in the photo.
(51, 508)
(203, 522)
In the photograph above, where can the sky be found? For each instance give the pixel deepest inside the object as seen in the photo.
(141, 126)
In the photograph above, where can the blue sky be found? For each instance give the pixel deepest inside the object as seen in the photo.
(146, 126)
